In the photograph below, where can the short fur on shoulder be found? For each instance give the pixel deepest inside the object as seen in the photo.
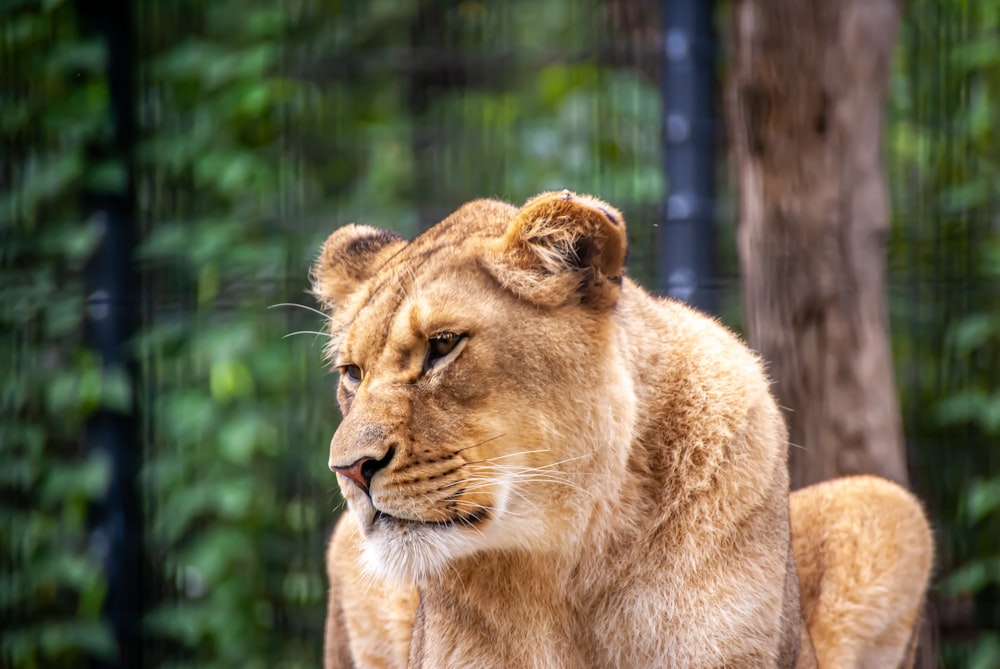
(545, 466)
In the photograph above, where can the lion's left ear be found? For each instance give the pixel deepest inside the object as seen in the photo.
(562, 248)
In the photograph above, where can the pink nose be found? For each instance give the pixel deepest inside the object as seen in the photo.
(362, 470)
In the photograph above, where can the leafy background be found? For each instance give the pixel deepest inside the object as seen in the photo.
(264, 124)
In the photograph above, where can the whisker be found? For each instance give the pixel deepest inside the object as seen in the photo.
(545, 466)
(508, 455)
(521, 470)
(472, 506)
(312, 332)
(478, 443)
(466, 522)
(521, 478)
(300, 306)
(552, 482)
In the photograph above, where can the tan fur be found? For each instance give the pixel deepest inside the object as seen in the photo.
(864, 554)
(375, 632)
(587, 477)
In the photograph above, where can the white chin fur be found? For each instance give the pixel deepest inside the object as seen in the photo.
(413, 553)
(409, 553)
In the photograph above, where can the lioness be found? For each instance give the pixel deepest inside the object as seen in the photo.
(547, 467)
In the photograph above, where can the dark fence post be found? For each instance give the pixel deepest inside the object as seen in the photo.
(686, 257)
(112, 316)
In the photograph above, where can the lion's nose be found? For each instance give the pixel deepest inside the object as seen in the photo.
(362, 470)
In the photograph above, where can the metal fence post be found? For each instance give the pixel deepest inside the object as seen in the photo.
(686, 255)
(111, 322)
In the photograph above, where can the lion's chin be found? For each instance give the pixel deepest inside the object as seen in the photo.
(407, 551)
(410, 552)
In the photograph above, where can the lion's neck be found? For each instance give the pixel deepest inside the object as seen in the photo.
(500, 610)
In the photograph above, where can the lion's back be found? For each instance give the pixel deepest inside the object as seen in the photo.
(864, 551)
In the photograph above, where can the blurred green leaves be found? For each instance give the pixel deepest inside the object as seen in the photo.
(53, 107)
(944, 149)
(232, 444)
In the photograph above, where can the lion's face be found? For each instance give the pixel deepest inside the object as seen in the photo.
(480, 382)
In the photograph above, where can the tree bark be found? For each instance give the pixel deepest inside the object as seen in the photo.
(804, 105)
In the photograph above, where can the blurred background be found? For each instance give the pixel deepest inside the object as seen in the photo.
(169, 168)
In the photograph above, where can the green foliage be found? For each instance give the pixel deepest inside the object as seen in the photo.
(975, 339)
(945, 158)
(226, 468)
(52, 585)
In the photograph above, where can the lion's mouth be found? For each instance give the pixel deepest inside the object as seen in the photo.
(469, 520)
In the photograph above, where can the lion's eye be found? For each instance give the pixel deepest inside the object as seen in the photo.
(351, 373)
(440, 346)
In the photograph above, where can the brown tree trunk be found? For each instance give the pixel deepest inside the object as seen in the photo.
(804, 104)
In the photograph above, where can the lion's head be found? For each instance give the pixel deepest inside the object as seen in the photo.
(485, 397)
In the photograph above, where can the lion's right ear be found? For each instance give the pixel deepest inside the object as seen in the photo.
(351, 256)
(562, 248)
